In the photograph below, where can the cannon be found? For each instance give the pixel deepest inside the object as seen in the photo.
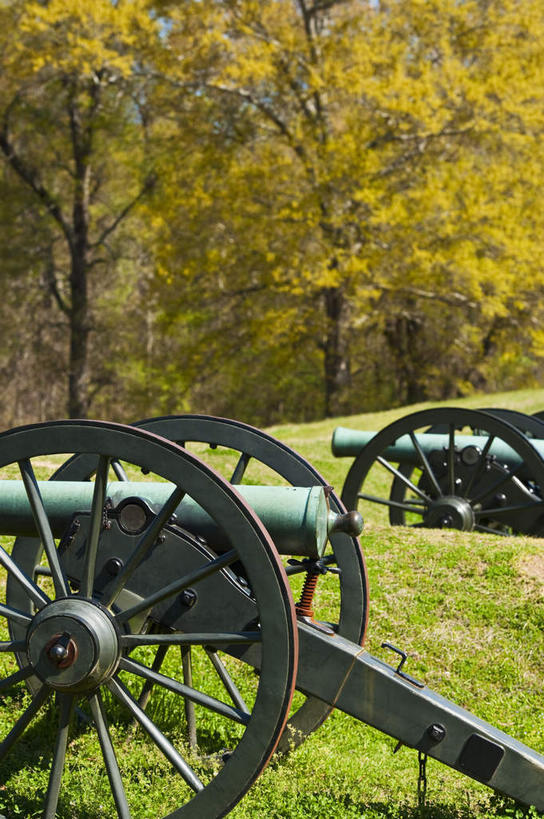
(135, 548)
(473, 470)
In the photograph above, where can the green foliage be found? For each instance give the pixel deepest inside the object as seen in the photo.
(371, 211)
(270, 210)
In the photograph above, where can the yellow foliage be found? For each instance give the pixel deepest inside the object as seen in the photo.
(78, 38)
(391, 153)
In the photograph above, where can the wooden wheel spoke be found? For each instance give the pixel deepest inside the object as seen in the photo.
(15, 615)
(451, 460)
(211, 703)
(178, 585)
(108, 753)
(406, 507)
(145, 543)
(119, 470)
(404, 479)
(489, 530)
(240, 468)
(426, 465)
(96, 523)
(13, 645)
(476, 475)
(207, 638)
(490, 490)
(147, 687)
(42, 525)
(505, 510)
(38, 597)
(120, 693)
(189, 706)
(24, 720)
(17, 677)
(59, 755)
(227, 681)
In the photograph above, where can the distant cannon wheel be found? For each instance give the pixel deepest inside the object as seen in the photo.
(532, 426)
(86, 628)
(234, 448)
(450, 468)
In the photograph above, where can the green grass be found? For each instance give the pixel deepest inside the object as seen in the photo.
(469, 611)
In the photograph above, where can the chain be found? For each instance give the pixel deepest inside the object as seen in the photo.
(422, 779)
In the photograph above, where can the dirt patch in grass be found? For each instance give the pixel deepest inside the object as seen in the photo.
(532, 568)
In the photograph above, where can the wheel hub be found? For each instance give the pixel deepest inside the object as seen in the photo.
(451, 512)
(73, 645)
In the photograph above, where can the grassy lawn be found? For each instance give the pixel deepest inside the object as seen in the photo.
(467, 608)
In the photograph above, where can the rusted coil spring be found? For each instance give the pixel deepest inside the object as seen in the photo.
(313, 568)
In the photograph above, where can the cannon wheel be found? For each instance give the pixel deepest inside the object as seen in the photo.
(532, 426)
(252, 443)
(482, 495)
(104, 624)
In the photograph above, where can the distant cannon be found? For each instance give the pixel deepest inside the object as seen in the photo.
(474, 470)
(114, 591)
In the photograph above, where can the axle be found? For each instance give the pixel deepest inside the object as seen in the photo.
(297, 518)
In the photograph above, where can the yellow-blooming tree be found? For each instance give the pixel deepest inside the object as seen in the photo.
(73, 141)
(365, 212)
(339, 199)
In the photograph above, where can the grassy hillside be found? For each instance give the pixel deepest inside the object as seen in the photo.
(314, 440)
(467, 608)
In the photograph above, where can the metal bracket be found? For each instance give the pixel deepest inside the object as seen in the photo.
(320, 566)
(402, 654)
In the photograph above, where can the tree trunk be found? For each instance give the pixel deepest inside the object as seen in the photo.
(335, 361)
(78, 378)
(402, 335)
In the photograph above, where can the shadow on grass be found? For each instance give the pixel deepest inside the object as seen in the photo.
(29, 761)
(497, 807)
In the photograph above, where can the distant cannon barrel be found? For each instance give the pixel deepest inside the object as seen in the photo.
(473, 470)
(350, 442)
(298, 518)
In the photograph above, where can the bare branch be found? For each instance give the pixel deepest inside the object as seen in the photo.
(454, 298)
(30, 176)
(148, 185)
(52, 285)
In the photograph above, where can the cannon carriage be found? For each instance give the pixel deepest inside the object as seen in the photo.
(472, 470)
(143, 588)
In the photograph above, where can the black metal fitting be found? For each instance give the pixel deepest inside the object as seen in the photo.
(320, 566)
(188, 597)
(114, 566)
(398, 670)
(436, 732)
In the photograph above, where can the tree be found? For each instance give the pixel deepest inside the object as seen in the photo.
(375, 159)
(72, 132)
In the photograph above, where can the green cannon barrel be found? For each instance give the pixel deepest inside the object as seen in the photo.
(297, 518)
(350, 442)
